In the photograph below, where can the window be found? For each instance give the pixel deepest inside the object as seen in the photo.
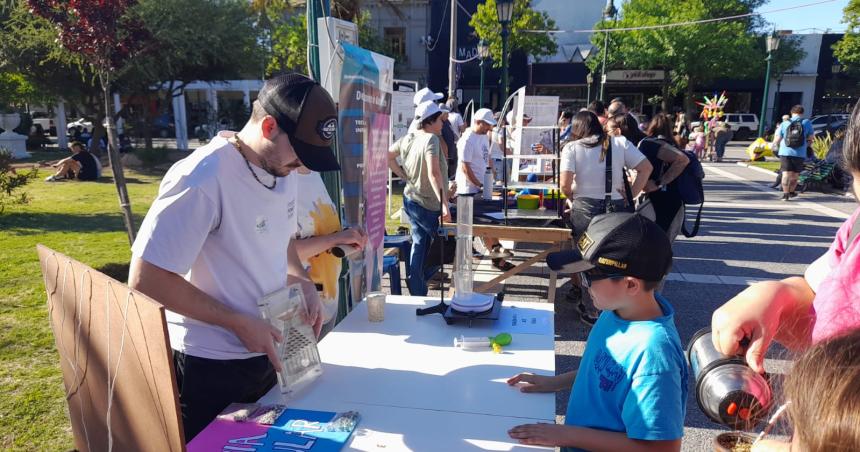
(396, 40)
(749, 118)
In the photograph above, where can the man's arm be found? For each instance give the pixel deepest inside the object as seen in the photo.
(313, 246)
(296, 274)
(180, 296)
(587, 438)
(395, 167)
(436, 181)
(464, 167)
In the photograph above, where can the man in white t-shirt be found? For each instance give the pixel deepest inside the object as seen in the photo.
(473, 153)
(217, 239)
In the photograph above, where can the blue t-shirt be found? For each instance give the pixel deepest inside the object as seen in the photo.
(784, 150)
(632, 378)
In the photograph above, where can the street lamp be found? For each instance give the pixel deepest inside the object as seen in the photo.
(483, 54)
(609, 12)
(505, 10)
(589, 79)
(772, 45)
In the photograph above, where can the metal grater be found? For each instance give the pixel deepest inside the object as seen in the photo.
(298, 352)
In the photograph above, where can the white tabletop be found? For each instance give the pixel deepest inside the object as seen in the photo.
(411, 385)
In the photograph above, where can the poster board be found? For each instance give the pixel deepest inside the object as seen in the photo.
(365, 117)
(544, 113)
(115, 357)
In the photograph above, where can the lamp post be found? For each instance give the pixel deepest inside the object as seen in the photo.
(609, 12)
(588, 79)
(772, 45)
(505, 10)
(483, 53)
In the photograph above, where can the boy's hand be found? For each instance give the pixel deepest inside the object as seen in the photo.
(540, 434)
(534, 383)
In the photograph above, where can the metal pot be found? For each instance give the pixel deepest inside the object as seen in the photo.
(728, 391)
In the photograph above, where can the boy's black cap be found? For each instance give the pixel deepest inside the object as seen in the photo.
(306, 112)
(624, 243)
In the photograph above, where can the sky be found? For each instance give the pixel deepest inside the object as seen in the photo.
(803, 20)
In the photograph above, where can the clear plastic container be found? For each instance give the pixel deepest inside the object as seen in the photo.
(463, 283)
(298, 353)
(375, 306)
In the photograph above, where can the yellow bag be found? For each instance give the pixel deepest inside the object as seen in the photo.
(759, 149)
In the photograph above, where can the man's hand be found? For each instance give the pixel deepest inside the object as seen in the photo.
(351, 236)
(446, 213)
(535, 383)
(313, 305)
(540, 434)
(650, 186)
(258, 336)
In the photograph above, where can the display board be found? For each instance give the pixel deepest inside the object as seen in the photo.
(115, 357)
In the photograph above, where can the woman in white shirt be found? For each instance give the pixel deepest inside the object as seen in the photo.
(583, 178)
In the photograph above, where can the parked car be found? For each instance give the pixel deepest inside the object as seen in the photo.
(44, 119)
(831, 127)
(744, 125)
(826, 122)
(80, 122)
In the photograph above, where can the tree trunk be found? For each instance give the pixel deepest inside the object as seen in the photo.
(666, 105)
(689, 101)
(115, 164)
(98, 132)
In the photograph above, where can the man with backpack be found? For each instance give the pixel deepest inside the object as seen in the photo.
(795, 135)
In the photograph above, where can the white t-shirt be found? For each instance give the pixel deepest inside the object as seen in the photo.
(474, 150)
(225, 233)
(495, 146)
(317, 216)
(456, 120)
(590, 173)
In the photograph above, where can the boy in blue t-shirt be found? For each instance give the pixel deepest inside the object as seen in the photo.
(631, 387)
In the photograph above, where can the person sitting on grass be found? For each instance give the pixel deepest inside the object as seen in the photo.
(630, 391)
(81, 165)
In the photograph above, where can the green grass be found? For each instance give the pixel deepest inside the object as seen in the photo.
(770, 166)
(82, 220)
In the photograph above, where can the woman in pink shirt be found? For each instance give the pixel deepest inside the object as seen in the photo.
(803, 310)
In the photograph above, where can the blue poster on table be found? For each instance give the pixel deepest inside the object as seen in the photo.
(294, 430)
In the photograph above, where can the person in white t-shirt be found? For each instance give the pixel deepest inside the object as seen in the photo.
(218, 238)
(319, 230)
(473, 153)
(455, 118)
(584, 176)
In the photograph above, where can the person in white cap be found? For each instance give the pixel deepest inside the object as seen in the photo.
(455, 118)
(421, 96)
(425, 195)
(473, 153)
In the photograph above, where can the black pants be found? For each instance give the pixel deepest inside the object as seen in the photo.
(207, 386)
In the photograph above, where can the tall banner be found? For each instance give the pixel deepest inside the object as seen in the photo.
(365, 118)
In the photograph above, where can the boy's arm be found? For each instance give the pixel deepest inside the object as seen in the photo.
(587, 438)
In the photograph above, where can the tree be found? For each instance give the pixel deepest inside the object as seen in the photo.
(485, 21)
(692, 55)
(106, 36)
(847, 50)
(193, 40)
(287, 29)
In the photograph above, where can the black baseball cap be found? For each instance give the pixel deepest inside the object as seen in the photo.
(305, 111)
(621, 243)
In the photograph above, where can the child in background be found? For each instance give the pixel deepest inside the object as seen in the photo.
(697, 142)
(824, 393)
(631, 387)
